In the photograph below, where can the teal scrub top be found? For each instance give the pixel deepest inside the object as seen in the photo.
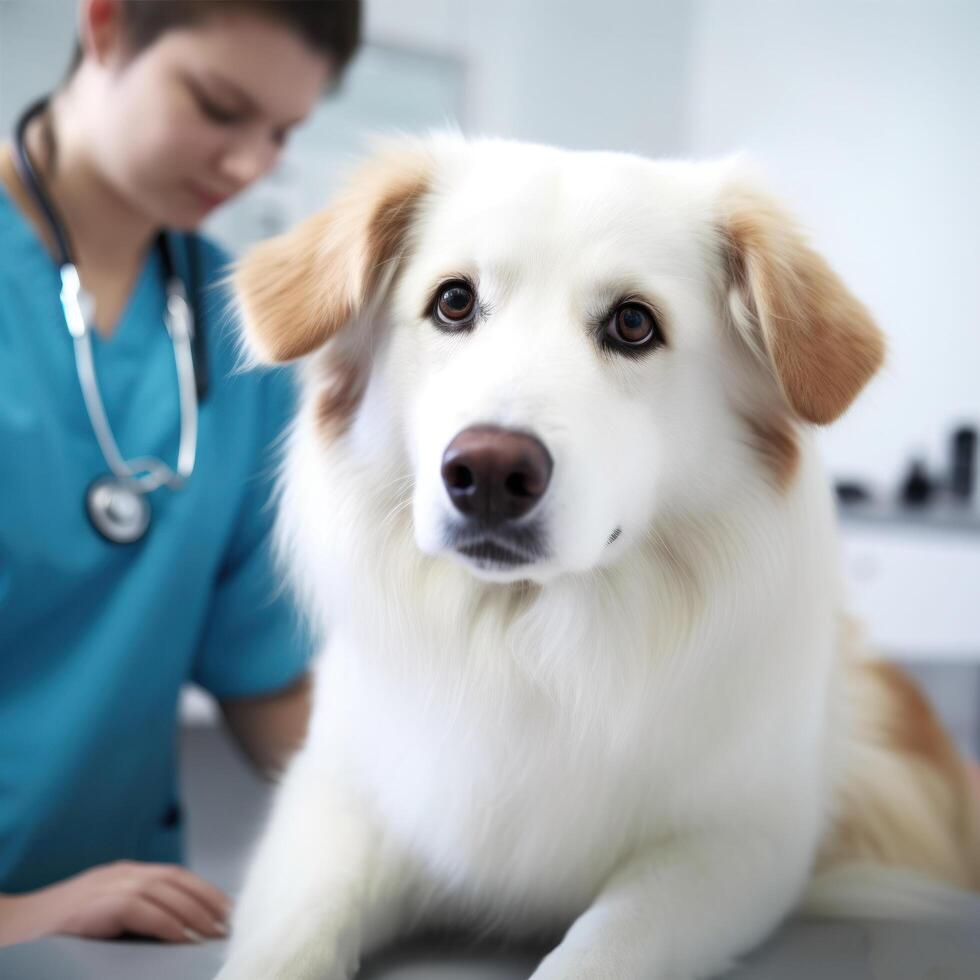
(96, 638)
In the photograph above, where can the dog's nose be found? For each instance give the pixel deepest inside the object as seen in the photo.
(495, 474)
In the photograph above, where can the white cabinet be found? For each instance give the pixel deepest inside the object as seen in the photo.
(915, 585)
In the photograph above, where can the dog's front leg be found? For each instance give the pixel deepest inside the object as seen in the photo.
(322, 887)
(683, 910)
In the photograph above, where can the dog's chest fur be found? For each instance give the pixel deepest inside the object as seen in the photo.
(529, 794)
(510, 805)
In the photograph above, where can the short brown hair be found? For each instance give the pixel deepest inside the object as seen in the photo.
(330, 27)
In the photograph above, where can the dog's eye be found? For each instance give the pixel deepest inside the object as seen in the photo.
(455, 306)
(632, 326)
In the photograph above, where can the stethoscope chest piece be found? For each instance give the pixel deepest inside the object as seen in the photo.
(120, 513)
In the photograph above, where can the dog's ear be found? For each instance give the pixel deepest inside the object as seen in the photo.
(296, 290)
(818, 338)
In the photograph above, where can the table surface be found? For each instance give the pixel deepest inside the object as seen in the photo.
(226, 805)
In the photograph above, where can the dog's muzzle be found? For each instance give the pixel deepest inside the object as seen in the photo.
(495, 477)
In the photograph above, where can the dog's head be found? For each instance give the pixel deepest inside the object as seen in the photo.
(552, 349)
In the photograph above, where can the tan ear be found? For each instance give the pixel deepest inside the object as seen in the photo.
(296, 290)
(820, 340)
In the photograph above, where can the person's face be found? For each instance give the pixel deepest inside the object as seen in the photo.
(203, 112)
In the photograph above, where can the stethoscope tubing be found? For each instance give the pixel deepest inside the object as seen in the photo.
(143, 474)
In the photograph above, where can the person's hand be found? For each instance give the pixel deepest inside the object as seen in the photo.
(163, 901)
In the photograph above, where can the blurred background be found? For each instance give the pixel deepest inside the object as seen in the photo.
(864, 115)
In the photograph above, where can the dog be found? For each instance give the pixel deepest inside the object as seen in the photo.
(553, 498)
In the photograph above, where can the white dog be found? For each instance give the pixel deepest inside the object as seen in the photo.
(553, 498)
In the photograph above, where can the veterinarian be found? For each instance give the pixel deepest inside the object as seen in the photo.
(136, 461)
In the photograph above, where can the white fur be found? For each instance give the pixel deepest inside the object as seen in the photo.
(625, 745)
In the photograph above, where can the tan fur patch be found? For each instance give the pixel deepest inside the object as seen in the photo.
(821, 341)
(340, 396)
(910, 725)
(907, 798)
(774, 441)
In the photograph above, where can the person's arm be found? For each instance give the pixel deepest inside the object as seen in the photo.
(270, 727)
(163, 901)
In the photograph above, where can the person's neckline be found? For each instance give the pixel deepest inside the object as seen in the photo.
(34, 230)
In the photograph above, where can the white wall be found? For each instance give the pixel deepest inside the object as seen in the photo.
(36, 39)
(581, 73)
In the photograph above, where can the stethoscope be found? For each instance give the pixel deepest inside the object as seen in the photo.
(117, 503)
